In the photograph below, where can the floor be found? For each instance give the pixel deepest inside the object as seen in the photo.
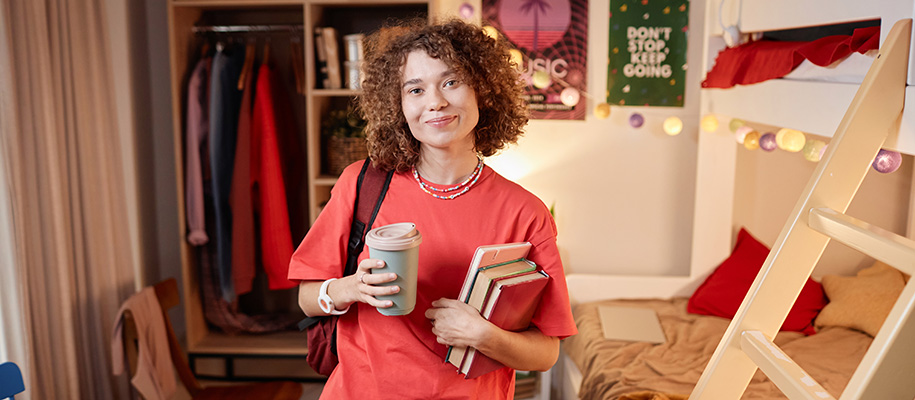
(310, 391)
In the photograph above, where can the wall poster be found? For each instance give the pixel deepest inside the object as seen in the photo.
(552, 43)
(647, 58)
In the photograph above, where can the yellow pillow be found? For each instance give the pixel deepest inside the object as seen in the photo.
(863, 301)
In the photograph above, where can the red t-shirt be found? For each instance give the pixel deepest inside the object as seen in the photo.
(397, 357)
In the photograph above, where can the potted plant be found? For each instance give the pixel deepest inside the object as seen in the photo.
(344, 133)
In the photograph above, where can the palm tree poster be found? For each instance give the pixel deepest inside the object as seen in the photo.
(647, 58)
(550, 49)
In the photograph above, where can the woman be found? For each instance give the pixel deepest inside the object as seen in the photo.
(437, 100)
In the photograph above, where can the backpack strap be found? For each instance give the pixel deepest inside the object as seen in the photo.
(371, 187)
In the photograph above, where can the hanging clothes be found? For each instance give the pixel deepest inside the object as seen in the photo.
(243, 239)
(225, 101)
(267, 173)
(197, 130)
(227, 315)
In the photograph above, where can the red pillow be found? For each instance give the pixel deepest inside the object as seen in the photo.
(724, 290)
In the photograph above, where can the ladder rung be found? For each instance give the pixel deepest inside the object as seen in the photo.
(895, 250)
(793, 381)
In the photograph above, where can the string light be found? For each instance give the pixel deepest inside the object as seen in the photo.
(736, 123)
(709, 123)
(813, 150)
(602, 111)
(570, 96)
(767, 141)
(673, 126)
(751, 141)
(741, 133)
(790, 140)
(636, 120)
(887, 161)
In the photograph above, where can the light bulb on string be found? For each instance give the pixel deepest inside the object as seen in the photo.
(751, 140)
(466, 11)
(790, 140)
(602, 111)
(736, 123)
(767, 141)
(541, 79)
(570, 96)
(516, 57)
(741, 133)
(491, 31)
(673, 126)
(813, 150)
(709, 123)
(887, 161)
(636, 120)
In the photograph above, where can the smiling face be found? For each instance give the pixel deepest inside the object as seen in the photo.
(440, 108)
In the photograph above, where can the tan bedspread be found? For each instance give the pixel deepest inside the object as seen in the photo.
(613, 368)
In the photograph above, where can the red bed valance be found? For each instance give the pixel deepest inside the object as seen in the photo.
(762, 60)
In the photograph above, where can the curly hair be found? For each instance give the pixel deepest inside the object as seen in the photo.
(481, 61)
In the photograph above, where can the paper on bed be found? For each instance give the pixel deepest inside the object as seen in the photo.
(631, 323)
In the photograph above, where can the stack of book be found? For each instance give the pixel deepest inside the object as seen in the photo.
(505, 288)
(327, 57)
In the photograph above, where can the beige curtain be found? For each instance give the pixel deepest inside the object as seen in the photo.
(67, 194)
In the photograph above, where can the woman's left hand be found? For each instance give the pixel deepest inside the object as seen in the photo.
(456, 323)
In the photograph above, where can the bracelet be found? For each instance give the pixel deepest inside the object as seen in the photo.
(326, 303)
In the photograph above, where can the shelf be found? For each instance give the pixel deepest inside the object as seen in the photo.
(334, 92)
(325, 180)
(287, 343)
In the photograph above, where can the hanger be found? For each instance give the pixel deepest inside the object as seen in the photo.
(266, 52)
(295, 47)
(250, 49)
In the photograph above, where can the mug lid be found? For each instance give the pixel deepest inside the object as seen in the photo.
(393, 237)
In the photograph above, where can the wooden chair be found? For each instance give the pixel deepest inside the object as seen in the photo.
(167, 293)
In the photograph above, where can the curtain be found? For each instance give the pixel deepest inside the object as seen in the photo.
(66, 188)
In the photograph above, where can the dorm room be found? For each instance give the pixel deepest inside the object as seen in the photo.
(707, 354)
(676, 225)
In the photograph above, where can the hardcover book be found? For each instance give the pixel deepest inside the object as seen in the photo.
(328, 42)
(321, 59)
(510, 305)
(490, 255)
(485, 257)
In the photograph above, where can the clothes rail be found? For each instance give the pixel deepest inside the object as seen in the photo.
(246, 28)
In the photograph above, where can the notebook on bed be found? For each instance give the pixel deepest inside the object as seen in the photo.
(631, 323)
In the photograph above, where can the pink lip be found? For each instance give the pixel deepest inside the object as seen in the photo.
(440, 122)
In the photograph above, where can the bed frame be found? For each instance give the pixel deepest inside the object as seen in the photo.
(874, 108)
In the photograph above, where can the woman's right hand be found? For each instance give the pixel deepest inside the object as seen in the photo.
(362, 286)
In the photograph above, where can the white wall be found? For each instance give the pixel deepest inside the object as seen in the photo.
(623, 196)
(768, 185)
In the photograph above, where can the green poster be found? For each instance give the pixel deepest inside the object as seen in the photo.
(647, 59)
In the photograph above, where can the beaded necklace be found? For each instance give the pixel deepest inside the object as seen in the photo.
(463, 186)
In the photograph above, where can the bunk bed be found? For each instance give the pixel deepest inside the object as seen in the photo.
(699, 347)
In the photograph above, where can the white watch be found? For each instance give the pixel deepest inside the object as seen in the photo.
(325, 302)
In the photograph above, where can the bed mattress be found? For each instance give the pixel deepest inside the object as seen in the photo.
(612, 368)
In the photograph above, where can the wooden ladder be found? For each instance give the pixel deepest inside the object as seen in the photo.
(887, 370)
